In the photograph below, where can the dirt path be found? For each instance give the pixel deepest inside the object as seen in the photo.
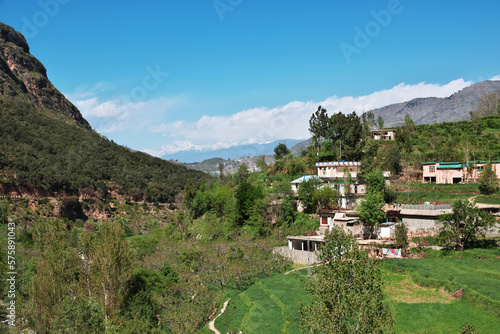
(291, 271)
(211, 324)
(312, 266)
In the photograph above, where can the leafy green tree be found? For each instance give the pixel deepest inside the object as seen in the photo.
(327, 151)
(319, 127)
(287, 211)
(401, 236)
(370, 210)
(281, 151)
(4, 211)
(347, 131)
(326, 197)
(393, 161)
(258, 222)
(242, 173)
(375, 181)
(144, 288)
(56, 272)
(368, 119)
(109, 264)
(79, 314)
(306, 193)
(488, 181)
(261, 163)
(464, 224)
(246, 195)
(346, 292)
(221, 169)
(380, 122)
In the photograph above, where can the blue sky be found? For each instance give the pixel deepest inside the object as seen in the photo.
(165, 76)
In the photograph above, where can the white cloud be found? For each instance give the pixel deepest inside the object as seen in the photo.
(185, 145)
(122, 115)
(291, 121)
(252, 126)
(495, 78)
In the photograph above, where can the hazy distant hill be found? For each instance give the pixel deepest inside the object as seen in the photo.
(240, 151)
(231, 166)
(437, 110)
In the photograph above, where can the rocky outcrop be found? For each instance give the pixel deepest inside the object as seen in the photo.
(24, 78)
(456, 107)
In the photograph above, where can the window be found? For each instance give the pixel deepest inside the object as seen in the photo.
(432, 169)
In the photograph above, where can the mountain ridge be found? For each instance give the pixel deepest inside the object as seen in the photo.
(430, 110)
(49, 149)
(23, 78)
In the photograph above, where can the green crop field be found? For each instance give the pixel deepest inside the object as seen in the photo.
(271, 305)
(417, 192)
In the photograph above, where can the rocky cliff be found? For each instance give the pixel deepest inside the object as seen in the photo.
(23, 78)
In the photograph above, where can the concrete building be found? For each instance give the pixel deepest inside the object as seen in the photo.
(387, 134)
(335, 172)
(455, 172)
(417, 218)
(296, 183)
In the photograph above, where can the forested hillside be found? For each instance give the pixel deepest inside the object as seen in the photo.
(48, 148)
(48, 156)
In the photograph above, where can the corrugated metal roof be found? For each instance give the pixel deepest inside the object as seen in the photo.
(305, 178)
(459, 165)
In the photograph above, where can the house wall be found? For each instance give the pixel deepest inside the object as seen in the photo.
(336, 169)
(446, 176)
(415, 224)
(297, 256)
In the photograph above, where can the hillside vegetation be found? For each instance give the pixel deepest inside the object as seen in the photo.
(47, 156)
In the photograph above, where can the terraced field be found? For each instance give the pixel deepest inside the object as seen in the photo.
(272, 304)
(269, 306)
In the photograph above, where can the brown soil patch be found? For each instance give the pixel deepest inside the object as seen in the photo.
(407, 291)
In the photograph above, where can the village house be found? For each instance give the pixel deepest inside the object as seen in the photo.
(295, 184)
(455, 172)
(387, 134)
(343, 176)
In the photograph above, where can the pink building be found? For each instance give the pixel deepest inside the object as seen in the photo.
(455, 172)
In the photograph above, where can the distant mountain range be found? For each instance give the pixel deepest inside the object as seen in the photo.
(456, 107)
(239, 151)
(430, 110)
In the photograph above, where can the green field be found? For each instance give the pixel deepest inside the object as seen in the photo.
(431, 192)
(271, 305)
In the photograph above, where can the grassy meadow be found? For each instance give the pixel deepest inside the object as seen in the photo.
(418, 290)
